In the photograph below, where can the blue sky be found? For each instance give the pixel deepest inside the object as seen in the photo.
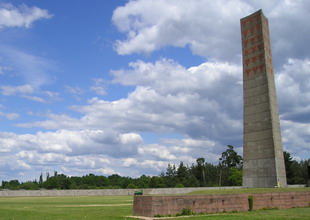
(127, 87)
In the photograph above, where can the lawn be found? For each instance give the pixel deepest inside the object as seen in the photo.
(56, 208)
(295, 213)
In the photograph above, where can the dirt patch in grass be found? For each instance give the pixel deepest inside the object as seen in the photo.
(94, 205)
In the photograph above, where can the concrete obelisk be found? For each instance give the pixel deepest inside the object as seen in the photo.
(263, 162)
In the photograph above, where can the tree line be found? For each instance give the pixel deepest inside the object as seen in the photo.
(227, 172)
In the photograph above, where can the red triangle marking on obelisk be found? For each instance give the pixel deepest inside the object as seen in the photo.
(251, 21)
(254, 69)
(244, 23)
(244, 32)
(252, 30)
(253, 49)
(247, 72)
(246, 42)
(252, 39)
(247, 61)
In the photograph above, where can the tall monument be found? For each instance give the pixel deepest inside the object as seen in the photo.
(263, 162)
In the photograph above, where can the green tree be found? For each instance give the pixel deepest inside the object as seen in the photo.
(126, 181)
(230, 158)
(157, 182)
(296, 172)
(192, 181)
(201, 171)
(131, 186)
(64, 181)
(51, 183)
(170, 176)
(182, 174)
(41, 179)
(235, 177)
(304, 171)
(29, 185)
(289, 167)
(211, 174)
(116, 181)
(12, 184)
(102, 181)
(143, 181)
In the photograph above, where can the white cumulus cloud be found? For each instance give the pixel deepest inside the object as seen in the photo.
(10, 115)
(21, 16)
(12, 90)
(210, 28)
(204, 25)
(199, 108)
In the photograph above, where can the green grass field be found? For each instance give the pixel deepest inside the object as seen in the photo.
(296, 213)
(115, 207)
(56, 208)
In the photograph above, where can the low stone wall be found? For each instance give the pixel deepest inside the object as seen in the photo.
(103, 192)
(50, 193)
(171, 205)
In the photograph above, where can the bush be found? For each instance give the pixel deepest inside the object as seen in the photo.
(251, 201)
(179, 185)
(187, 211)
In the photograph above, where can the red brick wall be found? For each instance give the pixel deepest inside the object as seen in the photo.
(165, 205)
